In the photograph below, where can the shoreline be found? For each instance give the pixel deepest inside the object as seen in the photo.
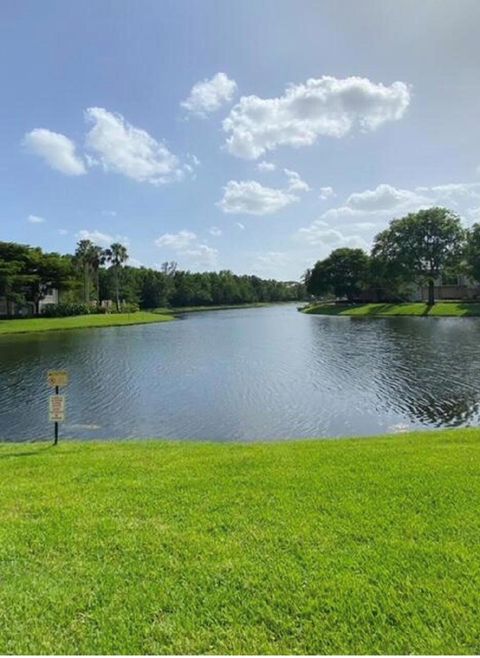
(11, 326)
(440, 309)
(93, 321)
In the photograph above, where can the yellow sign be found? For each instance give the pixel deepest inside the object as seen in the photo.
(56, 408)
(57, 377)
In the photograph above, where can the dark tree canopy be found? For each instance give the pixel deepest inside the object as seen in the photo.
(421, 245)
(472, 252)
(26, 273)
(342, 274)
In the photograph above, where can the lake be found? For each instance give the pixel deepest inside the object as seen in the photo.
(246, 375)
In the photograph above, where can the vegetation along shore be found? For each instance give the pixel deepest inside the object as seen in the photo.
(329, 547)
(419, 309)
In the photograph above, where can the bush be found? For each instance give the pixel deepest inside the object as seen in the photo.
(63, 310)
(128, 307)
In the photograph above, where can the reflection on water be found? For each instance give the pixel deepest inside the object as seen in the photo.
(247, 374)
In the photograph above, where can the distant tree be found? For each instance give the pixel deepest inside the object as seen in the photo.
(472, 252)
(84, 259)
(98, 257)
(117, 256)
(343, 273)
(421, 245)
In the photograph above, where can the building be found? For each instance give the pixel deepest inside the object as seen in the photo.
(28, 308)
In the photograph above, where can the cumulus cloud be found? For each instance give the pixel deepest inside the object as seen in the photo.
(271, 261)
(56, 150)
(295, 183)
(387, 200)
(209, 96)
(201, 256)
(320, 107)
(326, 193)
(240, 226)
(251, 198)
(180, 240)
(122, 148)
(186, 246)
(266, 166)
(215, 231)
(365, 213)
(101, 239)
(318, 234)
(35, 219)
(383, 197)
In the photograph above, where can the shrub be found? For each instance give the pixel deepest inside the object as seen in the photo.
(63, 310)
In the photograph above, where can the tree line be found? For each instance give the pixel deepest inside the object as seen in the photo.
(93, 275)
(414, 250)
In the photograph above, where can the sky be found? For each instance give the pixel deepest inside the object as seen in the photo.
(248, 135)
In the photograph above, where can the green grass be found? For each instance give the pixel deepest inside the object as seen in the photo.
(194, 309)
(350, 546)
(440, 309)
(27, 325)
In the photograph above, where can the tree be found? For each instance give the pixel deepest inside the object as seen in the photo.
(117, 255)
(422, 245)
(84, 258)
(343, 274)
(98, 258)
(472, 252)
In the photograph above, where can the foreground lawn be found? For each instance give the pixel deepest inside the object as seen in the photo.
(440, 309)
(353, 546)
(79, 322)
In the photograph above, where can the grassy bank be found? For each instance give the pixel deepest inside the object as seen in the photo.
(79, 322)
(440, 309)
(354, 546)
(225, 307)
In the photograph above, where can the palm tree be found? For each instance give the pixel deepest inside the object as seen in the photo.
(117, 255)
(97, 259)
(83, 258)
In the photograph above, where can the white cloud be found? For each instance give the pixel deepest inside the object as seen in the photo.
(35, 219)
(201, 256)
(266, 166)
(109, 213)
(271, 263)
(383, 197)
(57, 150)
(215, 231)
(295, 183)
(210, 95)
(180, 240)
(101, 239)
(320, 107)
(326, 193)
(124, 149)
(386, 200)
(184, 243)
(452, 193)
(251, 198)
(240, 225)
(318, 234)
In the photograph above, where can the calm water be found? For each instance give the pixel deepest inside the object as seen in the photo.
(246, 375)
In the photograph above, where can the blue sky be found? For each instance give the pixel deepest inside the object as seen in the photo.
(252, 136)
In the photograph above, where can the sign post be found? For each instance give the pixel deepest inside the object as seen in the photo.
(56, 403)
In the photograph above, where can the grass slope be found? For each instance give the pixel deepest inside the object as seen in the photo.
(27, 325)
(440, 309)
(224, 307)
(354, 546)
